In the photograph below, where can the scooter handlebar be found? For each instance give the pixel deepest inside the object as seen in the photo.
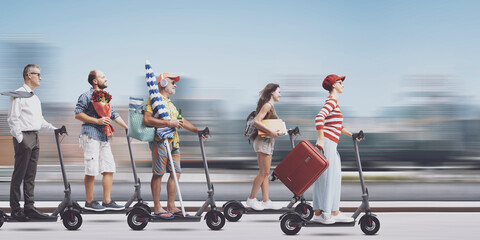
(204, 132)
(358, 136)
(294, 131)
(61, 130)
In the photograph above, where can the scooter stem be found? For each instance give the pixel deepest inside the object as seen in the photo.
(134, 167)
(58, 131)
(206, 131)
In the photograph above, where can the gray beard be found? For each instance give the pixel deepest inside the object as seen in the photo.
(170, 90)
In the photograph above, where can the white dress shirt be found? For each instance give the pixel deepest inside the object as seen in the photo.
(25, 114)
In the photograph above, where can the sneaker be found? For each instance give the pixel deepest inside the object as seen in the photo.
(94, 206)
(324, 218)
(342, 218)
(255, 204)
(112, 205)
(270, 205)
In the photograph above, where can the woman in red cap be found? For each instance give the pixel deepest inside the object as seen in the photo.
(326, 191)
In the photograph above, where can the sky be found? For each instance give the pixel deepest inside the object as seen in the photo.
(232, 49)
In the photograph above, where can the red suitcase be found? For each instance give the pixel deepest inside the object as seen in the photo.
(302, 166)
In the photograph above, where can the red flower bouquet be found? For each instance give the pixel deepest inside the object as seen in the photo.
(101, 103)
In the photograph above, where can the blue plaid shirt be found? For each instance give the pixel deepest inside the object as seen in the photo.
(84, 105)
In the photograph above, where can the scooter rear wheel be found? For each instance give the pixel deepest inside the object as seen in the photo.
(305, 210)
(72, 219)
(291, 224)
(2, 217)
(370, 225)
(215, 220)
(233, 212)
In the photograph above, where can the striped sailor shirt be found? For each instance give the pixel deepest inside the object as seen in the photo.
(84, 105)
(330, 119)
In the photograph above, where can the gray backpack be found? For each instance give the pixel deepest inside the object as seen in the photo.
(251, 131)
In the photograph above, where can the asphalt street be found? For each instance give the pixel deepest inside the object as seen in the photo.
(393, 226)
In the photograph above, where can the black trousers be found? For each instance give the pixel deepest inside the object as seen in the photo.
(25, 170)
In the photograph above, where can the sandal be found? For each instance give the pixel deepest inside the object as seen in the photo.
(159, 215)
(179, 213)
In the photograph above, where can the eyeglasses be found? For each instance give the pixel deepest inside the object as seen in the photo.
(38, 74)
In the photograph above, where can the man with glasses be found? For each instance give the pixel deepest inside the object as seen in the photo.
(167, 84)
(25, 119)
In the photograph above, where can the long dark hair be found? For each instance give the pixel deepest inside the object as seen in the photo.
(266, 94)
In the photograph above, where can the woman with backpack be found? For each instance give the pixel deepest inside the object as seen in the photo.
(326, 190)
(263, 146)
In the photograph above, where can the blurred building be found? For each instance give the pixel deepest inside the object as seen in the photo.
(16, 51)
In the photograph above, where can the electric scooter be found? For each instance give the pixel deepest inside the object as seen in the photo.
(234, 210)
(136, 195)
(291, 222)
(68, 209)
(138, 217)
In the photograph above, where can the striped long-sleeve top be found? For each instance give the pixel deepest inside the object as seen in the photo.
(330, 119)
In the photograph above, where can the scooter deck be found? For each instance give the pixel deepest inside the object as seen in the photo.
(11, 219)
(267, 211)
(88, 211)
(176, 219)
(337, 224)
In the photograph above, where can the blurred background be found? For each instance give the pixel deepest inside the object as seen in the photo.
(411, 72)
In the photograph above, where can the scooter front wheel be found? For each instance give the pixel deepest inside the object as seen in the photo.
(291, 224)
(72, 219)
(137, 220)
(215, 220)
(370, 225)
(305, 211)
(233, 212)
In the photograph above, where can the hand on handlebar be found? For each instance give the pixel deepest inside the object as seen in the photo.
(205, 133)
(360, 136)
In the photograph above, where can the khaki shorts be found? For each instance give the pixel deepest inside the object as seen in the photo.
(98, 157)
(264, 145)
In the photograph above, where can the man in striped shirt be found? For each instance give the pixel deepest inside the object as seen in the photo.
(98, 155)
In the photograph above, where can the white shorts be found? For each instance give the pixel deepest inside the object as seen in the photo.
(97, 155)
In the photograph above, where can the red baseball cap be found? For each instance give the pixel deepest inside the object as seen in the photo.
(168, 75)
(330, 80)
